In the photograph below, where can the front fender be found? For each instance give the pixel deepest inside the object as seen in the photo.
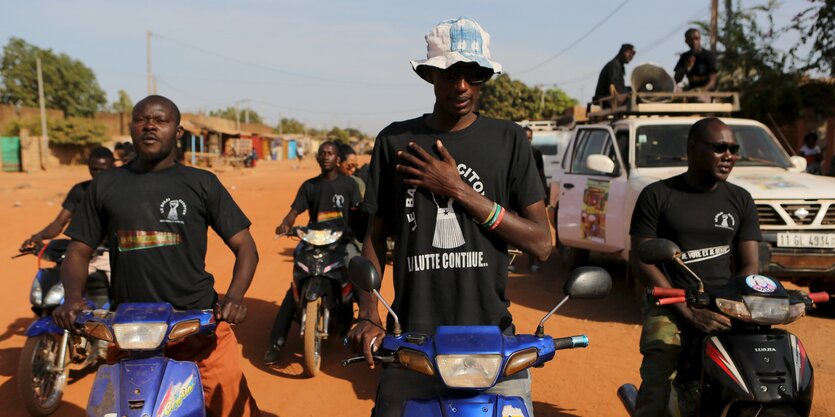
(479, 405)
(316, 287)
(43, 325)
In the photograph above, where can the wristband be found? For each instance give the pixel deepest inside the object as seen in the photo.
(498, 220)
(490, 216)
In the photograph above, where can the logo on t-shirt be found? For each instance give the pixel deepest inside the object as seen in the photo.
(698, 255)
(448, 232)
(724, 220)
(173, 210)
(338, 200)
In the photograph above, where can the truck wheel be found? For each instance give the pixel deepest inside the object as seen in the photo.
(313, 319)
(827, 308)
(571, 258)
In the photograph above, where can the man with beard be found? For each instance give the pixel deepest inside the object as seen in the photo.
(715, 224)
(154, 213)
(440, 184)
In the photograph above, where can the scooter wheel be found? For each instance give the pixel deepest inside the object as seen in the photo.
(40, 387)
(313, 322)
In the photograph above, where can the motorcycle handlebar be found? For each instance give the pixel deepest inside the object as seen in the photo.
(819, 297)
(571, 342)
(377, 358)
(661, 292)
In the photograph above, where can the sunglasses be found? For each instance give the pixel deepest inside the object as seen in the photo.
(472, 75)
(722, 147)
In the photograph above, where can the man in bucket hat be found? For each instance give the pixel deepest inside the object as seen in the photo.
(455, 188)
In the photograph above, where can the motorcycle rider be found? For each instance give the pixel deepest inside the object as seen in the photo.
(329, 197)
(715, 224)
(154, 213)
(439, 183)
(100, 159)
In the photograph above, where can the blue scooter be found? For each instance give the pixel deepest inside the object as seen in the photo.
(146, 383)
(471, 359)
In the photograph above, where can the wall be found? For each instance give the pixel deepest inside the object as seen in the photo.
(9, 114)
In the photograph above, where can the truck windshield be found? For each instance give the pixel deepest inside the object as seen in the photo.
(666, 145)
(546, 142)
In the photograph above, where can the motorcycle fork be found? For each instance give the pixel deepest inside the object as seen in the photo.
(62, 352)
(326, 320)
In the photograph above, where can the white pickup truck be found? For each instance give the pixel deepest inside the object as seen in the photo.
(607, 164)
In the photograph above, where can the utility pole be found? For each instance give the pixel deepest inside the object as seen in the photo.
(714, 25)
(43, 115)
(151, 81)
(237, 118)
(246, 115)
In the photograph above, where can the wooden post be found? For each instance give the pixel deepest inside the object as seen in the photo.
(714, 25)
(43, 115)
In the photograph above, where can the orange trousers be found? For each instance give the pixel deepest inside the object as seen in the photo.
(219, 360)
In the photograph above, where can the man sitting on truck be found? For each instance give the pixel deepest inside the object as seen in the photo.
(716, 226)
(610, 82)
(698, 64)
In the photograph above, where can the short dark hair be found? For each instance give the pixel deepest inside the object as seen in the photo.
(626, 47)
(528, 129)
(100, 152)
(345, 150)
(165, 100)
(688, 32)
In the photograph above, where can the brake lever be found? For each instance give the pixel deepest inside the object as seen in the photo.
(377, 358)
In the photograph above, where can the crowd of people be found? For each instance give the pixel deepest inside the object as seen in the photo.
(451, 180)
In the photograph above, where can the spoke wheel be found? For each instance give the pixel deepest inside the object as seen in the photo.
(313, 322)
(40, 387)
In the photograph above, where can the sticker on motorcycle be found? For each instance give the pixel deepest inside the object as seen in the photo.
(761, 283)
(174, 396)
(511, 411)
(593, 215)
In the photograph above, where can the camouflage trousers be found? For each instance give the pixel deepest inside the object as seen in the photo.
(663, 340)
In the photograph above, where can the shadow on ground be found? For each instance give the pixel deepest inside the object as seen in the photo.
(542, 409)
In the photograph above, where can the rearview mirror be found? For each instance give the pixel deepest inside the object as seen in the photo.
(600, 163)
(655, 251)
(588, 282)
(363, 274)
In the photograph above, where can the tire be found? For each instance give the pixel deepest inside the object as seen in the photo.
(312, 337)
(571, 258)
(41, 390)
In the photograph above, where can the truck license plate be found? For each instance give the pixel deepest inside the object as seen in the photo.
(806, 240)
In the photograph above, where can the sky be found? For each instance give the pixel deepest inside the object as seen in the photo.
(343, 63)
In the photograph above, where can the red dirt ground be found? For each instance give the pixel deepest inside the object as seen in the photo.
(577, 383)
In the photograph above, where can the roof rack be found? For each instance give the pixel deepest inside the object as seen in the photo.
(537, 125)
(670, 103)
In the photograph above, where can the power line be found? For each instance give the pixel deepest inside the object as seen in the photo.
(580, 39)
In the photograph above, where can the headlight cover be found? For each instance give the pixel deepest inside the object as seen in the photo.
(768, 310)
(140, 336)
(469, 371)
(54, 295)
(321, 237)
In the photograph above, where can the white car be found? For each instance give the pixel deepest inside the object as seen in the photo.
(607, 165)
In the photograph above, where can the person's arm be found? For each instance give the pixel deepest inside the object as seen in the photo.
(369, 327)
(683, 66)
(704, 320)
(51, 230)
(528, 231)
(711, 82)
(287, 223)
(748, 256)
(231, 309)
(74, 279)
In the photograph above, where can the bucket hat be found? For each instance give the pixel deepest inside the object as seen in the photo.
(456, 40)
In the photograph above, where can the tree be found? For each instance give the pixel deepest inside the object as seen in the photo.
(817, 24)
(231, 113)
(290, 126)
(70, 131)
(69, 85)
(504, 98)
(123, 104)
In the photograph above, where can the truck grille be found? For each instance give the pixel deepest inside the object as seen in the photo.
(829, 217)
(811, 209)
(768, 216)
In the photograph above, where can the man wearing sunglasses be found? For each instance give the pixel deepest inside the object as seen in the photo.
(447, 184)
(715, 224)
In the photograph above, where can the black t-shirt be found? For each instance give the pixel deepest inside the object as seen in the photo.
(706, 225)
(612, 73)
(699, 75)
(448, 270)
(156, 223)
(75, 196)
(328, 201)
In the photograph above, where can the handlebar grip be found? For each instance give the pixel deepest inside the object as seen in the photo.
(670, 300)
(819, 297)
(571, 342)
(661, 292)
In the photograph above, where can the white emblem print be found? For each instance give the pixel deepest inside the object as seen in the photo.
(338, 200)
(724, 220)
(173, 210)
(448, 232)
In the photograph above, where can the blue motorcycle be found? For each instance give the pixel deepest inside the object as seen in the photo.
(471, 359)
(49, 351)
(146, 383)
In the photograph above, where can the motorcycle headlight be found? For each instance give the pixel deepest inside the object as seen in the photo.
(36, 295)
(139, 336)
(469, 371)
(768, 310)
(54, 295)
(735, 309)
(322, 237)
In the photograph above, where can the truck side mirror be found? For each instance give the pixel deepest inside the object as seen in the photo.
(363, 274)
(798, 162)
(588, 282)
(600, 163)
(655, 251)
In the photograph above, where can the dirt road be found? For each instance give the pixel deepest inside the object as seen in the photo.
(580, 382)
